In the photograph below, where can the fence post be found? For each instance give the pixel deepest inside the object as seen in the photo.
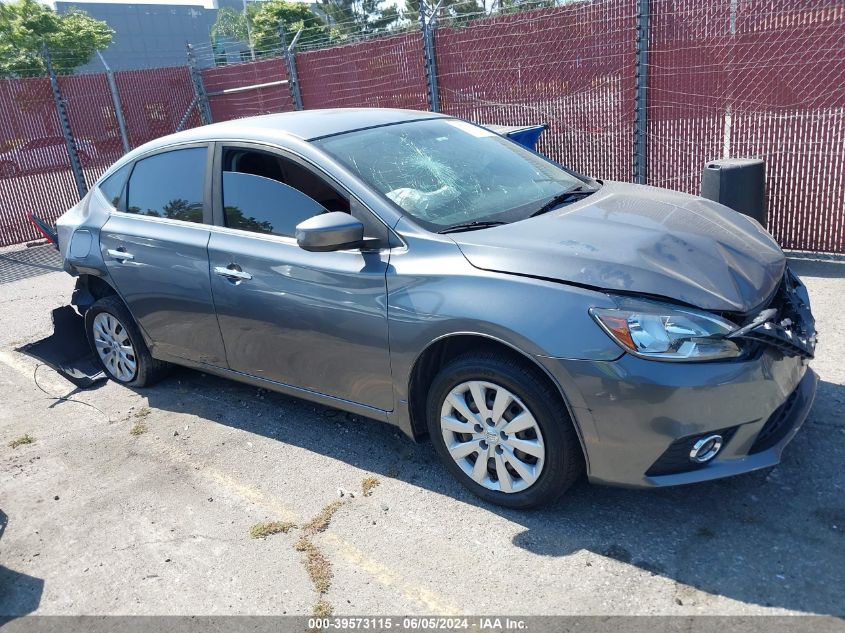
(199, 87)
(115, 98)
(290, 64)
(641, 109)
(64, 123)
(427, 28)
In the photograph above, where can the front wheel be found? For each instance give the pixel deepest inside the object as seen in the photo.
(119, 346)
(503, 431)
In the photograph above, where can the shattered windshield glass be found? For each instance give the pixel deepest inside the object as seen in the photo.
(445, 172)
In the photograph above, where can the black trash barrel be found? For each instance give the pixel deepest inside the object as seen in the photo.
(738, 183)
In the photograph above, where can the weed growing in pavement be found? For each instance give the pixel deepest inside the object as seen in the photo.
(20, 441)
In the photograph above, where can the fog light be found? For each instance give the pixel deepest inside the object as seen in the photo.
(706, 448)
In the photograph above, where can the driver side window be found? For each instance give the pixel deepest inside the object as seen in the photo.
(267, 193)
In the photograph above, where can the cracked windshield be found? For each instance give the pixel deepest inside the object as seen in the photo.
(448, 172)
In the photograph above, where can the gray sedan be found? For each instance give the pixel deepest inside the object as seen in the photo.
(431, 273)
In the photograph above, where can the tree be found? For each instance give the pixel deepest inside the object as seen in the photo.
(295, 15)
(454, 9)
(259, 28)
(230, 24)
(27, 25)
(351, 17)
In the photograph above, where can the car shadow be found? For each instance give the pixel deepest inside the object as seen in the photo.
(19, 594)
(772, 538)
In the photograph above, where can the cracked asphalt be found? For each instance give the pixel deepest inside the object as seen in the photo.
(97, 520)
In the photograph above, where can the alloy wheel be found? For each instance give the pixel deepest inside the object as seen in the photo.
(114, 346)
(492, 436)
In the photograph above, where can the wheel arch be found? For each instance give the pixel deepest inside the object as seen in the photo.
(90, 289)
(444, 348)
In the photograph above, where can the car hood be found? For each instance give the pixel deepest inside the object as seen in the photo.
(639, 239)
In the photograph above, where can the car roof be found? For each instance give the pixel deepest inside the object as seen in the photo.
(306, 125)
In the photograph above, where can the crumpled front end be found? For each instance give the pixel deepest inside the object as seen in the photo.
(642, 421)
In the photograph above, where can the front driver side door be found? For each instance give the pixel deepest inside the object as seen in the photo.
(316, 321)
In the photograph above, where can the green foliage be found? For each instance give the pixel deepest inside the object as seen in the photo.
(351, 17)
(230, 24)
(457, 10)
(295, 15)
(259, 28)
(26, 25)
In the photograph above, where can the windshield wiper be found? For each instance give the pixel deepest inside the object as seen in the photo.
(570, 195)
(471, 226)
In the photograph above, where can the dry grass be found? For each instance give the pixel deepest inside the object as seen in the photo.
(317, 566)
(139, 428)
(369, 484)
(320, 522)
(323, 609)
(143, 412)
(268, 528)
(20, 441)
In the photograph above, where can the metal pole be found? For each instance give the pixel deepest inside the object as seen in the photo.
(427, 28)
(115, 97)
(641, 110)
(290, 63)
(199, 87)
(64, 123)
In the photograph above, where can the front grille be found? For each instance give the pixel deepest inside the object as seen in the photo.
(776, 427)
(786, 324)
(675, 459)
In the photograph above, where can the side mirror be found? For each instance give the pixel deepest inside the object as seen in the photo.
(333, 231)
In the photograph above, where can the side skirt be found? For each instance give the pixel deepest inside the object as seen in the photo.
(289, 390)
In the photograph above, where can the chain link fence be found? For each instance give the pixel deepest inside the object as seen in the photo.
(634, 90)
(569, 67)
(754, 78)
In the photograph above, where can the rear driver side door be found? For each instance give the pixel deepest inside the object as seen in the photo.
(154, 245)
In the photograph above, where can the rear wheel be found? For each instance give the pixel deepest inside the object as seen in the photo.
(503, 431)
(119, 346)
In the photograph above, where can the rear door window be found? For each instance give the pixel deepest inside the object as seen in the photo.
(169, 185)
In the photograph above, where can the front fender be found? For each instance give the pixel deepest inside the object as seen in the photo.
(434, 292)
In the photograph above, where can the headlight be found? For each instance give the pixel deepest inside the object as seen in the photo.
(664, 332)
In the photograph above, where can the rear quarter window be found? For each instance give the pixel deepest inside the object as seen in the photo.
(112, 187)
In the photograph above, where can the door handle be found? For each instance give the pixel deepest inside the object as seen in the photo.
(232, 273)
(120, 255)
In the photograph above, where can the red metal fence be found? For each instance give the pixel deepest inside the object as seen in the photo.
(224, 86)
(571, 67)
(34, 166)
(35, 171)
(762, 78)
(381, 73)
(756, 78)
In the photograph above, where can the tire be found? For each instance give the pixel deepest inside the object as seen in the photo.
(136, 367)
(557, 460)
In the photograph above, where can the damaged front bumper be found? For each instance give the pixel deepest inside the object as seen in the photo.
(787, 324)
(639, 419)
